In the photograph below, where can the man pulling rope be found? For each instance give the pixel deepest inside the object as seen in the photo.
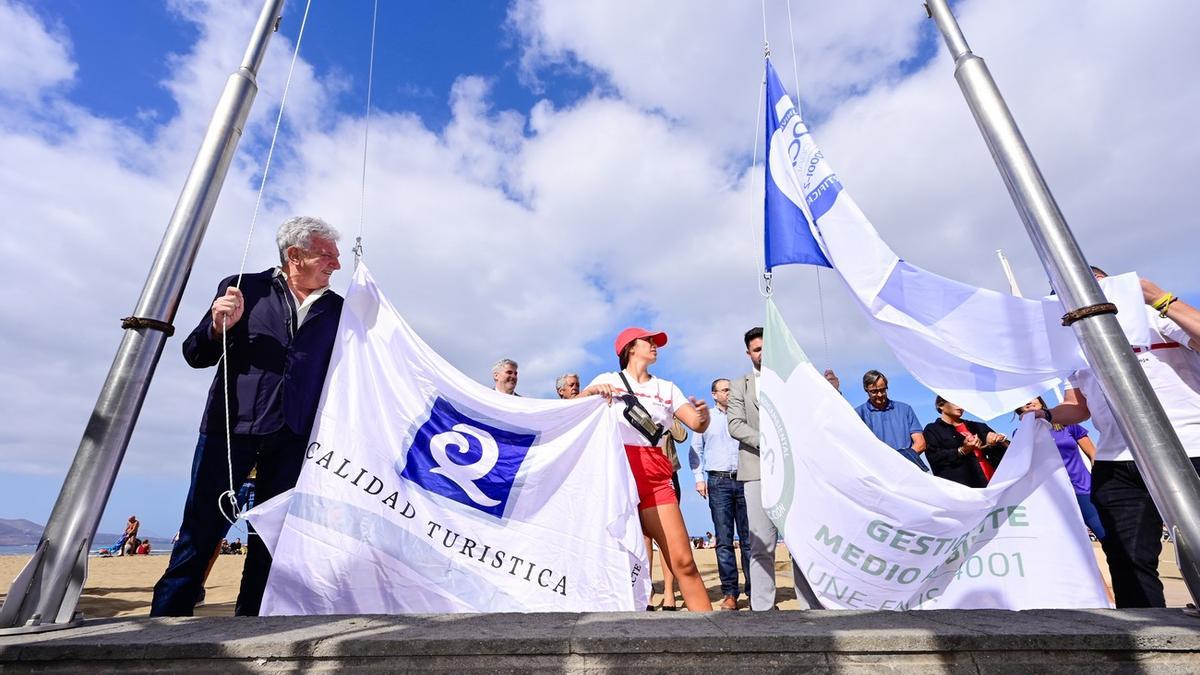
(278, 330)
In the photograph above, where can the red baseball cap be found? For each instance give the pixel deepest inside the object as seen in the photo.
(630, 334)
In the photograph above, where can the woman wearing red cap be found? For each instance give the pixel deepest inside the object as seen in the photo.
(652, 404)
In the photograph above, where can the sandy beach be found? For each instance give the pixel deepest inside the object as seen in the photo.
(123, 586)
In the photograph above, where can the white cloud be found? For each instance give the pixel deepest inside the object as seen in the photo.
(34, 58)
(701, 61)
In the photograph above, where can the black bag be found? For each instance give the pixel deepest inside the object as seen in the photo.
(636, 414)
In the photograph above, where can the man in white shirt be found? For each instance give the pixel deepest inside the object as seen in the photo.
(714, 462)
(1132, 524)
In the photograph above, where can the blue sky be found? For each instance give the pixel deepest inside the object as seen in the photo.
(557, 171)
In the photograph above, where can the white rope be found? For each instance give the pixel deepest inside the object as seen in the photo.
(230, 496)
(362, 196)
(820, 292)
(764, 20)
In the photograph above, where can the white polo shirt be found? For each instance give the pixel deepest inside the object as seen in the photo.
(1174, 372)
(660, 397)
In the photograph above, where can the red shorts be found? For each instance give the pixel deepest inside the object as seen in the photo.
(652, 472)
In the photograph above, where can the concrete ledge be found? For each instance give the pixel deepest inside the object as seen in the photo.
(991, 641)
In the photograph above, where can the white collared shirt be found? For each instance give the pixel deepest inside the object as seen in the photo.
(1174, 373)
(302, 307)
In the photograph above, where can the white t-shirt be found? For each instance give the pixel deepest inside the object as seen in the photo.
(660, 397)
(1174, 373)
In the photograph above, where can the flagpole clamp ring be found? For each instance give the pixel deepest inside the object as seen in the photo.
(1089, 311)
(141, 322)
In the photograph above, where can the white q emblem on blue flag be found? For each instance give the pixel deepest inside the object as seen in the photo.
(466, 460)
(789, 236)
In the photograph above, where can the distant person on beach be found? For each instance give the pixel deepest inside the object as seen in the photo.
(763, 535)
(714, 463)
(567, 385)
(964, 451)
(651, 406)
(278, 329)
(131, 532)
(893, 422)
(144, 547)
(504, 374)
(1132, 524)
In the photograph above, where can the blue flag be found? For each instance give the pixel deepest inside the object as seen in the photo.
(788, 236)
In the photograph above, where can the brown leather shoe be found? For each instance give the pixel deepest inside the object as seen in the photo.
(730, 603)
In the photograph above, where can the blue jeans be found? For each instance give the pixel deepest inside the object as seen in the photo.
(727, 502)
(1091, 517)
(278, 457)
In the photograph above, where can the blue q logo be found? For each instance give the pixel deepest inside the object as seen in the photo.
(466, 460)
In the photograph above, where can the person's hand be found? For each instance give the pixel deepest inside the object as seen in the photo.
(599, 389)
(702, 488)
(993, 438)
(227, 310)
(1151, 292)
(832, 378)
(701, 408)
(970, 444)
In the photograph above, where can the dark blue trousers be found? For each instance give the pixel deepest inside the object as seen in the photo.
(727, 503)
(278, 457)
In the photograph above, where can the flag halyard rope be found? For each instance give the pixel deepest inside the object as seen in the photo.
(230, 496)
(362, 196)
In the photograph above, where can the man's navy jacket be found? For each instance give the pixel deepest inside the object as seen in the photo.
(275, 372)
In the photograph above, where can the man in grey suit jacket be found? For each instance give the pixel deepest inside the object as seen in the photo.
(743, 426)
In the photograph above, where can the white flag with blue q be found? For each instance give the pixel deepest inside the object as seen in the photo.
(987, 351)
(424, 491)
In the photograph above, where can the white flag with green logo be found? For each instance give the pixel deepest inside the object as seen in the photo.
(870, 530)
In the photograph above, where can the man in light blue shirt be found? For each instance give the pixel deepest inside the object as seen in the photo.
(714, 462)
(892, 422)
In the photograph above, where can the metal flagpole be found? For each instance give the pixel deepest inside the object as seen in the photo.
(1159, 455)
(46, 592)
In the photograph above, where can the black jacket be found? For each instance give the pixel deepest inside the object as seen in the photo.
(941, 451)
(276, 373)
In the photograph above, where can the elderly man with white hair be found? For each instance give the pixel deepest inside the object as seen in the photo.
(277, 329)
(567, 385)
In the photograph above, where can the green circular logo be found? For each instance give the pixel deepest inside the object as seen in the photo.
(776, 459)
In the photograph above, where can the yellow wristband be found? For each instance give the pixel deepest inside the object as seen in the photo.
(1162, 313)
(1162, 302)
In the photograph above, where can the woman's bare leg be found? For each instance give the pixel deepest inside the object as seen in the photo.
(664, 524)
(650, 570)
(668, 583)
